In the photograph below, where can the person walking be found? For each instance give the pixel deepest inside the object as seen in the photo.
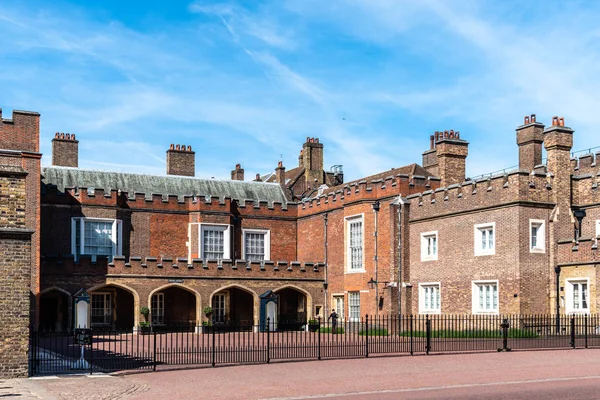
(333, 317)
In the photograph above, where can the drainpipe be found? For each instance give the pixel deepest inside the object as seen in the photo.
(399, 277)
(326, 283)
(557, 270)
(376, 206)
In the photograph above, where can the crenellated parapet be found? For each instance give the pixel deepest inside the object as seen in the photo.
(485, 192)
(160, 202)
(586, 164)
(585, 188)
(390, 186)
(21, 132)
(179, 267)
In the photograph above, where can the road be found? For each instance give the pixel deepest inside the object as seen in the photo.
(566, 374)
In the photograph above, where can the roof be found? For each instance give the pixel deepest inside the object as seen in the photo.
(66, 178)
(412, 169)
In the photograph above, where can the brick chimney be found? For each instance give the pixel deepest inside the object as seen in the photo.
(312, 161)
(451, 153)
(238, 173)
(530, 137)
(280, 173)
(430, 161)
(180, 160)
(257, 179)
(65, 150)
(558, 141)
(301, 159)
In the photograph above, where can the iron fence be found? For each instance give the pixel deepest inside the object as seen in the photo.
(104, 350)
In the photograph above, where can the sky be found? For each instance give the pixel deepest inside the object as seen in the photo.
(248, 81)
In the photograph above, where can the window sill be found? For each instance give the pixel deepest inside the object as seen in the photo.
(486, 312)
(537, 250)
(430, 312)
(487, 253)
(356, 271)
(429, 258)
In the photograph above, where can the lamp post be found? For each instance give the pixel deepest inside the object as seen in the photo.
(374, 284)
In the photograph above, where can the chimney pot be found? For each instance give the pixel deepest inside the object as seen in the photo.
(526, 121)
(189, 148)
(532, 118)
(172, 146)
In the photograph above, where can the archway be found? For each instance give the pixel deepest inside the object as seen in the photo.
(113, 307)
(234, 307)
(294, 304)
(174, 306)
(55, 310)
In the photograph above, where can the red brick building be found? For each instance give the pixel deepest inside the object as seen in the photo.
(428, 239)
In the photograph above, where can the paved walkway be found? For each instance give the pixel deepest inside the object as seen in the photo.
(572, 374)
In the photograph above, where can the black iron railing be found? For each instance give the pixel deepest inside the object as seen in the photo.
(163, 345)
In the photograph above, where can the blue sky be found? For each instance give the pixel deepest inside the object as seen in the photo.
(247, 81)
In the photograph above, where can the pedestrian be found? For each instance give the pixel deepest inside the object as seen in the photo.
(333, 317)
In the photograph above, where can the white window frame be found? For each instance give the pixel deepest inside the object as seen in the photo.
(202, 227)
(598, 229)
(336, 298)
(116, 236)
(267, 234)
(351, 307)
(107, 302)
(478, 233)
(475, 297)
(540, 246)
(157, 313)
(569, 296)
(422, 298)
(425, 243)
(347, 253)
(219, 312)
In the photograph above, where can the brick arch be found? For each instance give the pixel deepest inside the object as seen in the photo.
(136, 298)
(183, 287)
(69, 305)
(55, 288)
(256, 310)
(309, 300)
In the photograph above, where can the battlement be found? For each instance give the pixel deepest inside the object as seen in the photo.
(494, 190)
(153, 201)
(586, 164)
(21, 132)
(401, 184)
(585, 188)
(182, 267)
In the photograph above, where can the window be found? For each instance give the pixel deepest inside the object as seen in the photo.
(429, 246)
(598, 228)
(485, 241)
(537, 236)
(257, 246)
(485, 297)
(215, 242)
(429, 298)
(577, 296)
(354, 306)
(157, 308)
(338, 306)
(101, 309)
(93, 236)
(218, 306)
(354, 240)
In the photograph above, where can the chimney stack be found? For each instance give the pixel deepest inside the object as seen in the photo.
(280, 173)
(181, 160)
(238, 173)
(312, 161)
(430, 161)
(530, 137)
(65, 150)
(451, 152)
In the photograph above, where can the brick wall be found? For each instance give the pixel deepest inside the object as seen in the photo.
(15, 273)
(65, 150)
(181, 161)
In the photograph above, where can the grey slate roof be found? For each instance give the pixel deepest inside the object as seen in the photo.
(64, 177)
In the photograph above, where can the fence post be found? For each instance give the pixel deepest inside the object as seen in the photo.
(428, 334)
(154, 352)
(319, 338)
(573, 331)
(268, 340)
(91, 351)
(214, 348)
(411, 334)
(367, 334)
(505, 325)
(585, 322)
